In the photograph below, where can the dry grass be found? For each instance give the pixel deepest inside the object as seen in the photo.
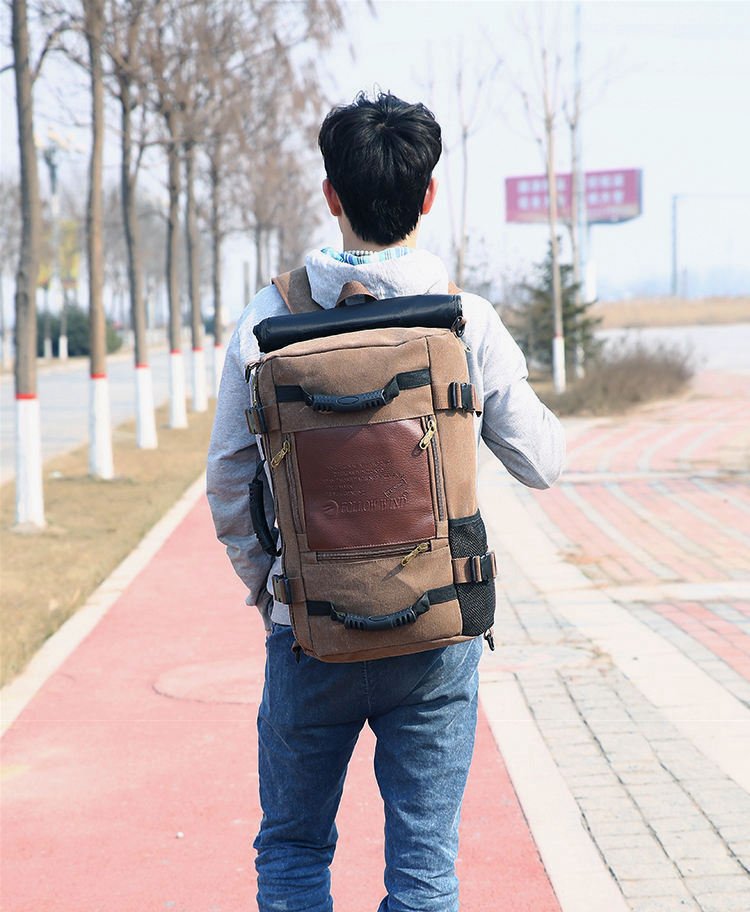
(621, 380)
(92, 526)
(667, 311)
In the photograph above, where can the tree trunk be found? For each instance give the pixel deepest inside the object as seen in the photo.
(215, 176)
(100, 431)
(558, 343)
(177, 411)
(29, 491)
(200, 403)
(144, 398)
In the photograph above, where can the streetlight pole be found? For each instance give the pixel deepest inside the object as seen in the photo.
(50, 154)
(675, 198)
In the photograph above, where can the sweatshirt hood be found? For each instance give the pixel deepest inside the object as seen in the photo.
(417, 272)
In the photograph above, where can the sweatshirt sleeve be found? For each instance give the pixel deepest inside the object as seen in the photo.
(232, 459)
(519, 429)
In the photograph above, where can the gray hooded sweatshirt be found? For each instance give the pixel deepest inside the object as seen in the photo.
(524, 435)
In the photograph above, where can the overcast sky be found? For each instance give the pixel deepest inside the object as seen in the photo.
(669, 92)
(668, 88)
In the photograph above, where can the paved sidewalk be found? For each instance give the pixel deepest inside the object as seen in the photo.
(626, 637)
(612, 770)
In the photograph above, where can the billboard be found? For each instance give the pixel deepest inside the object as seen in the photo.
(611, 196)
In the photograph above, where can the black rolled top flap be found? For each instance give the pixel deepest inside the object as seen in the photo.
(431, 311)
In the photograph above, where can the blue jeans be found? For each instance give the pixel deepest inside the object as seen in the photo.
(422, 709)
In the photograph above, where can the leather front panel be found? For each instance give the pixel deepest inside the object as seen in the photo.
(365, 485)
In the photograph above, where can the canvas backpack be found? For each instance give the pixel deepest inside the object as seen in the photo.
(366, 416)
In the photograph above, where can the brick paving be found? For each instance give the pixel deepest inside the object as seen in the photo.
(651, 501)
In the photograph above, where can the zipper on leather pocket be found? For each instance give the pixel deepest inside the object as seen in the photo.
(291, 482)
(407, 552)
(430, 442)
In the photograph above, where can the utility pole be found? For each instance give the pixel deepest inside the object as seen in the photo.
(578, 217)
(50, 154)
(675, 281)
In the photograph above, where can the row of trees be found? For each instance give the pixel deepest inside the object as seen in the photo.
(221, 97)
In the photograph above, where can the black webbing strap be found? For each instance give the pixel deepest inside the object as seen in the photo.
(387, 621)
(403, 381)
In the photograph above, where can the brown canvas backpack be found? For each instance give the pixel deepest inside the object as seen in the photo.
(368, 432)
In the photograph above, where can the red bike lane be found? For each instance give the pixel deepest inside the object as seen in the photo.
(129, 782)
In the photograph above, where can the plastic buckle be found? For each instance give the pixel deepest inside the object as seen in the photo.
(461, 396)
(251, 423)
(483, 567)
(281, 590)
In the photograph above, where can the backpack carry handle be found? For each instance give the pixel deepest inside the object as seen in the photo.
(354, 402)
(383, 622)
(268, 539)
(353, 293)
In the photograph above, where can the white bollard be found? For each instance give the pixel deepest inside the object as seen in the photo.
(29, 489)
(145, 420)
(177, 408)
(100, 429)
(219, 354)
(198, 369)
(558, 363)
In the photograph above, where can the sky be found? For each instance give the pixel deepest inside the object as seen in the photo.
(666, 89)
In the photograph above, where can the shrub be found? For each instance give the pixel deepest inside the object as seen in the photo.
(78, 333)
(620, 379)
(530, 317)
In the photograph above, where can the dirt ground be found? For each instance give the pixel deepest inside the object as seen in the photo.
(668, 311)
(92, 526)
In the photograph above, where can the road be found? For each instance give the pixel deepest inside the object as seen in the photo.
(63, 396)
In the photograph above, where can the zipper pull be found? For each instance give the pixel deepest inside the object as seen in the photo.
(420, 549)
(276, 460)
(490, 638)
(429, 434)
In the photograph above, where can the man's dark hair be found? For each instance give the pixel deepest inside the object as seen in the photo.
(379, 156)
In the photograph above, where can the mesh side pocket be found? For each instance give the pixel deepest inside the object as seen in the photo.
(467, 538)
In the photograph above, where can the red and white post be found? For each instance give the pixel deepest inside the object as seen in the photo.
(177, 408)
(219, 355)
(145, 422)
(101, 464)
(198, 367)
(29, 488)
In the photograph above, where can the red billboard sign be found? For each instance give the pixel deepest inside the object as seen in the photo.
(611, 196)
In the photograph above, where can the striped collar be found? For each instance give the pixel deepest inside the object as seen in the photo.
(359, 257)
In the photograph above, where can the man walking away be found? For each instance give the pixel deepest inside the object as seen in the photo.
(379, 157)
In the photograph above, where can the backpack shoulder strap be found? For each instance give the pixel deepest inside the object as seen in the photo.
(294, 288)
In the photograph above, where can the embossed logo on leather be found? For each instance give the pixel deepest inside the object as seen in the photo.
(367, 485)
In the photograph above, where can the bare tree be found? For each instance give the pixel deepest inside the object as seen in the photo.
(100, 430)
(542, 111)
(29, 490)
(166, 57)
(470, 107)
(123, 38)
(10, 236)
